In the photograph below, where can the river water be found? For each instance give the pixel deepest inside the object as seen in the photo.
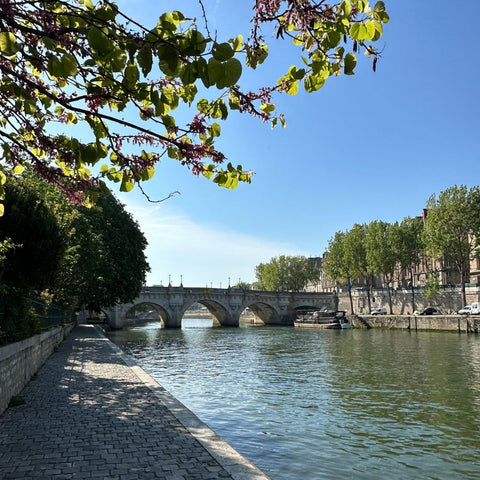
(326, 404)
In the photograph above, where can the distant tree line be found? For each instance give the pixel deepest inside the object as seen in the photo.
(65, 254)
(448, 235)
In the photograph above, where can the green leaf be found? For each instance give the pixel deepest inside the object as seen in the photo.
(347, 8)
(237, 43)
(215, 71)
(208, 171)
(292, 88)
(358, 31)
(169, 62)
(222, 51)
(8, 43)
(380, 13)
(314, 82)
(233, 72)
(378, 31)
(267, 107)
(145, 60)
(370, 26)
(296, 74)
(203, 106)
(88, 153)
(99, 41)
(332, 39)
(18, 169)
(193, 43)
(131, 76)
(54, 67)
(215, 130)
(69, 65)
(127, 184)
(350, 63)
(189, 73)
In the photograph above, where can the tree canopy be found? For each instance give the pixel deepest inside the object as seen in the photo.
(106, 263)
(452, 230)
(286, 273)
(65, 254)
(68, 64)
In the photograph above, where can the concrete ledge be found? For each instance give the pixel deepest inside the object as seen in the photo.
(232, 461)
(452, 323)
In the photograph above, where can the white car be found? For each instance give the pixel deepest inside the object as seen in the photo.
(466, 310)
(379, 311)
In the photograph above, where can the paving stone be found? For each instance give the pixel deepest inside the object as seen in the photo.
(90, 415)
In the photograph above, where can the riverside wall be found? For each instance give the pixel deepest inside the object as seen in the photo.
(20, 361)
(447, 323)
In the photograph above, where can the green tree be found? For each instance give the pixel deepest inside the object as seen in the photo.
(286, 273)
(451, 228)
(74, 254)
(380, 254)
(30, 258)
(105, 262)
(356, 257)
(35, 233)
(406, 238)
(335, 265)
(83, 63)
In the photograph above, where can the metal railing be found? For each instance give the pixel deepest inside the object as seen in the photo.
(52, 315)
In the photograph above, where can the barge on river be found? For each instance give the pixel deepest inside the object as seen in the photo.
(319, 319)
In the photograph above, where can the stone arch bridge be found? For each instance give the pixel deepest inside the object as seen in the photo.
(226, 305)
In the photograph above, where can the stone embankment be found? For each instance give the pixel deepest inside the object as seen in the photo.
(20, 361)
(92, 413)
(453, 323)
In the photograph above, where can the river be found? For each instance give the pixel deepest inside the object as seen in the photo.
(326, 404)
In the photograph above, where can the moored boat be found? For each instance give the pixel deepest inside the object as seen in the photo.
(319, 319)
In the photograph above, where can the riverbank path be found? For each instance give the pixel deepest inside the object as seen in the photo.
(90, 412)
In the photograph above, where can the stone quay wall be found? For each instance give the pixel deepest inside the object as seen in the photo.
(21, 360)
(451, 323)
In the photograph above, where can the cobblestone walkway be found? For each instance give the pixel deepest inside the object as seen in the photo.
(90, 415)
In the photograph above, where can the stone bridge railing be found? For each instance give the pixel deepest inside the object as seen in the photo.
(226, 305)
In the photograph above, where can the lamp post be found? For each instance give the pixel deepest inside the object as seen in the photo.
(181, 280)
(169, 280)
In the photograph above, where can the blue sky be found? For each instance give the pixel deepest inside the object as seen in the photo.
(365, 147)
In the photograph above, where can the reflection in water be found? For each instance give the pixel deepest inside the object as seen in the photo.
(327, 404)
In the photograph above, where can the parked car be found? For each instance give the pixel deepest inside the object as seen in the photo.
(466, 310)
(430, 311)
(475, 308)
(379, 311)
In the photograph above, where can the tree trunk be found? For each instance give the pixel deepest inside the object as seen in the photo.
(413, 289)
(464, 292)
(350, 295)
(389, 292)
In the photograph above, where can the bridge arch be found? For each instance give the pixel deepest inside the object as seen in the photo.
(219, 311)
(263, 311)
(136, 314)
